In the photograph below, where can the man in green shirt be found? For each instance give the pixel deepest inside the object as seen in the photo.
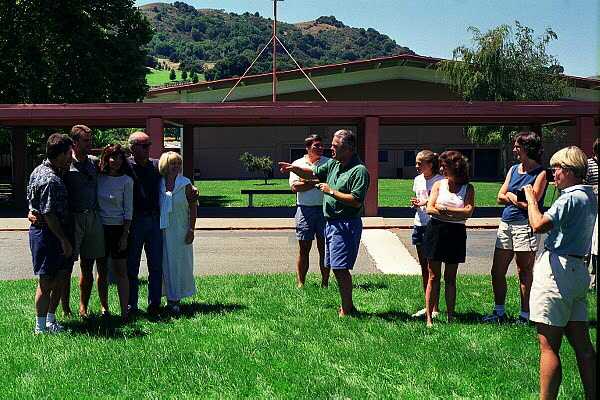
(344, 180)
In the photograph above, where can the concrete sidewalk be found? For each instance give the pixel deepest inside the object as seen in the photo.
(212, 224)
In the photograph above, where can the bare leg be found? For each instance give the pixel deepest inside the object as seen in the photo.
(502, 259)
(450, 289)
(550, 338)
(432, 294)
(302, 261)
(324, 270)
(578, 335)
(102, 282)
(56, 293)
(120, 271)
(425, 272)
(42, 295)
(344, 280)
(65, 298)
(86, 282)
(525, 261)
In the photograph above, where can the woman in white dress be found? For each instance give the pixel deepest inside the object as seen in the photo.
(177, 222)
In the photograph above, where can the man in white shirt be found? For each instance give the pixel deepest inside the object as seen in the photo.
(310, 221)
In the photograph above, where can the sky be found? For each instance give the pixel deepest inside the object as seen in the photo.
(435, 28)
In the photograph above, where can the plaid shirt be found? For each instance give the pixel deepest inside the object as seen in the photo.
(47, 193)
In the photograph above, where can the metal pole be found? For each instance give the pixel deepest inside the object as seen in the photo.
(274, 51)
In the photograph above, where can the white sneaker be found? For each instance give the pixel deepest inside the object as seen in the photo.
(420, 313)
(39, 331)
(54, 327)
(435, 314)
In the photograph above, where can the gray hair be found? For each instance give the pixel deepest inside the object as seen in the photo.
(347, 137)
(135, 137)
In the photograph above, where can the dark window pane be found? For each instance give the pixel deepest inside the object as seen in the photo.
(383, 156)
(409, 158)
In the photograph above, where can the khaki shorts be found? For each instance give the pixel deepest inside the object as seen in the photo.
(516, 236)
(559, 290)
(88, 235)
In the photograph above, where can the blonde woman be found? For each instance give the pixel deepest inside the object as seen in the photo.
(177, 222)
(558, 299)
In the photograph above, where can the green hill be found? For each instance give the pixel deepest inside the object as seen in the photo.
(223, 44)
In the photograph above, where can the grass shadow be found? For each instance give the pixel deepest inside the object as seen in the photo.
(189, 310)
(469, 318)
(264, 184)
(371, 286)
(214, 201)
(390, 316)
(104, 327)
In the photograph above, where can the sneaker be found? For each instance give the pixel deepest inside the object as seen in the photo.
(522, 321)
(153, 311)
(421, 314)
(39, 331)
(175, 309)
(495, 318)
(54, 327)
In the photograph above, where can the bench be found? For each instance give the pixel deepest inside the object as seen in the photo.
(252, 192)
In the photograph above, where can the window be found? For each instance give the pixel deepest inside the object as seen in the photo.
(383, 156)
(297, 153)
(409, 158)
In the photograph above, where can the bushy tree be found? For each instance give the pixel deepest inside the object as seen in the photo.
(172, 75)
(184, 75)
(194, 77)
(262, 164)
(505, 64)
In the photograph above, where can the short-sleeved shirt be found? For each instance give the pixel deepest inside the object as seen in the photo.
(352, 178)
(592, 174)
(81, 180)
(573, 216)
(146, 187)
(312, 197)
(47, 193)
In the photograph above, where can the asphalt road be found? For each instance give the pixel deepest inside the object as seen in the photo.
(249, 252)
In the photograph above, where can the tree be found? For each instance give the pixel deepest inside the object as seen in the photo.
(194, 77)
(172, 75)
(262, 164)
(184, 75)
(506, 64)
(72, 51)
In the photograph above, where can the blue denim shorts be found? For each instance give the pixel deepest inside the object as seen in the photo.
(418, 235)
(46, 252)
(342, 241)
(309, 222)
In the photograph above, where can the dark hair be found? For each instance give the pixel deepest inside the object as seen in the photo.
(430, 157)
(347, 137)
(458, 164)
(57, 144)
(596, 144)
(111, 151)
(311, 139)
(532, 144)
(78, 130)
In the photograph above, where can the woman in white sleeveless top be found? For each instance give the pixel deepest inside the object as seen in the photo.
(177, 222)
(450, 204)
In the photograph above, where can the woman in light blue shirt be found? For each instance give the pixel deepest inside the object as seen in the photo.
(115, 200)
(558, 299)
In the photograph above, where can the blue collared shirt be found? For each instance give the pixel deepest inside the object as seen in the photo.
(573, 216)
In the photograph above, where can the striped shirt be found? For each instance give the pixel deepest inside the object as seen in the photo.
(592, 174)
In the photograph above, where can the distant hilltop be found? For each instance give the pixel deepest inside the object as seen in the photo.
(223, 44)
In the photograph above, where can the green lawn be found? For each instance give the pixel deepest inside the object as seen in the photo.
(258, 336)
(160, 76)
(392, 193)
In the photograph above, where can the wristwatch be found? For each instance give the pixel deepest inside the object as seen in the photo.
(331, 192)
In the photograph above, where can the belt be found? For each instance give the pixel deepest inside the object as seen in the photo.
(566, 255)
(84, 211)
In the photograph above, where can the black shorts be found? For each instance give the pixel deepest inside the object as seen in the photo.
(445, 241)
(46, 252)
(112, 236)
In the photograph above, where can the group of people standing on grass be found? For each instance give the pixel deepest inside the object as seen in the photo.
(92, 209)
(553, 289)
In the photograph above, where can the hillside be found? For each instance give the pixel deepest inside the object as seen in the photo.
(224, 43)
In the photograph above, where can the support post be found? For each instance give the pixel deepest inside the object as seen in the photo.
(585, 134)
(187, 151)
(18, 163)
(154, 129)
(371, 143)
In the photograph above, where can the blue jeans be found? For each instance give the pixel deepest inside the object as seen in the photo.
(145, 233)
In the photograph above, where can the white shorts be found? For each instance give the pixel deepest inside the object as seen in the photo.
(516, 236)
(559, 290)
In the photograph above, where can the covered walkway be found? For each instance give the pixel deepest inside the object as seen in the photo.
(368, 116)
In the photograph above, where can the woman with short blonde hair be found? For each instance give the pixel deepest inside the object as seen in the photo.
(558, 299)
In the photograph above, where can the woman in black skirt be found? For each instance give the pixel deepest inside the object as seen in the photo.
(450, 204)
